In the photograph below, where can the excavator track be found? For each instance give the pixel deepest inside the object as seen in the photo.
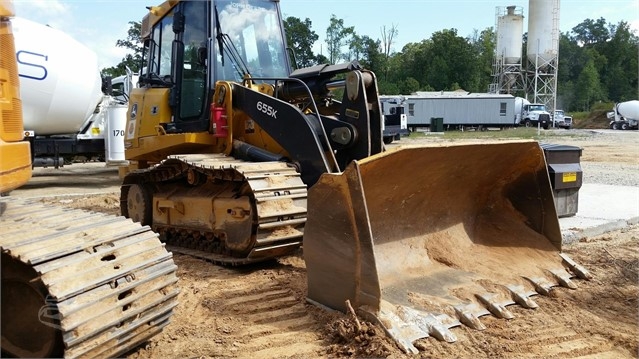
(274, 192)
(80, 284)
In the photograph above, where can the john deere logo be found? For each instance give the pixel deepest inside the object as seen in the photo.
(134, 111)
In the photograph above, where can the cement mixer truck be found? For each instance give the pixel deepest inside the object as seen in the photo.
(625, 116)
(66, 115)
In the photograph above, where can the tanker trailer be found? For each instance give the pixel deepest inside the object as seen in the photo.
(66, 115)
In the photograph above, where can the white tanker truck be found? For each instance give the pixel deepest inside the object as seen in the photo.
(66, 115)
(625, 116)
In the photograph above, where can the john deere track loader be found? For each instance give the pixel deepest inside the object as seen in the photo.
(74, 283)
(236, 159)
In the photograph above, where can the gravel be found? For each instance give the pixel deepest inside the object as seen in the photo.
(620, 174)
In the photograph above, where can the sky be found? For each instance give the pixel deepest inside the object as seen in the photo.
(98, 24)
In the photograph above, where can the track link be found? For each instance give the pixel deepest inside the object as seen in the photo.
(277, 198)
(80, 284)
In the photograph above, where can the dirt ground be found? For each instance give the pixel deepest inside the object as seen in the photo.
(261, 312)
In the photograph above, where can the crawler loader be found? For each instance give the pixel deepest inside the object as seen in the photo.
(74, 283)
(237, 159)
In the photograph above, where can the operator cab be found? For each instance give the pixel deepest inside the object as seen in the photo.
(243, 37)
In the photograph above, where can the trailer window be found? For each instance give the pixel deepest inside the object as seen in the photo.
(411, 109)
(502, 109)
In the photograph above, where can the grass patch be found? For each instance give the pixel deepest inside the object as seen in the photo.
(508, 133)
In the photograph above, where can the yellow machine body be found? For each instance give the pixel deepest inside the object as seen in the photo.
(15, 154)
(421, 239)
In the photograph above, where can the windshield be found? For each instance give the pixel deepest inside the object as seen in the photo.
(254, 29)
(537, 108)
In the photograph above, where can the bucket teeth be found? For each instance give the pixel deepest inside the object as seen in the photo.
(496, 308)
(579, 270)
(442, 333)
(522, 298)
(406, 325)
(563, 278)
(435, 325)
(403, 331)
(542, 285)
(467, 317)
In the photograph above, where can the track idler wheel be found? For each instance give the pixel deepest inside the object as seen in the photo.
(139, 204)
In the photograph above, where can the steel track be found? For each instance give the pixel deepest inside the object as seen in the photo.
(91, 284)
(278, 198)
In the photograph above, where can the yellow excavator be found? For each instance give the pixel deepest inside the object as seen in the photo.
(236, 159)
(74, 283)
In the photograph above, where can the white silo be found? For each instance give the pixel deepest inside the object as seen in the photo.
(510, 29)
(543, 30)
(507, 65)
(543, 51)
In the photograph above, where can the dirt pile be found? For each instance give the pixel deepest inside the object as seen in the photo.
(596, 120)
(354, 338)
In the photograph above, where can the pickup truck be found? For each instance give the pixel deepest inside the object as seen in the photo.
(562, 120)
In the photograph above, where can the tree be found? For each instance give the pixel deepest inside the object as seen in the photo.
(451, 59)
(301, 38)
(388, 39)
(590, 32)
(371, 58)
(483, 45)
(133, 42)
(620, 73)
(589, 86)
(366, 51)
(408, 86)
(337, 36)
(321, 59)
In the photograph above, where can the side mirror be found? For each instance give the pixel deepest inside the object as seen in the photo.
(202, 54)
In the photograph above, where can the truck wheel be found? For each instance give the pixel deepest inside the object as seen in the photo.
(624, 126)
(615, 126)
(388, 140)
(528, 123)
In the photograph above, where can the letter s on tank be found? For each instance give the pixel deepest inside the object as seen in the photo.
(32, 65)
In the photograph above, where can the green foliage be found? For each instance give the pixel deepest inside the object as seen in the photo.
(598, 61)
(337, 36)
(388, 88)
(301, 38)
(589, 86)
(133, 43)
(602, 106)
(408, 86)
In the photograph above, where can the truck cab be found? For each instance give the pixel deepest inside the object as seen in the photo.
(562, 120)
(533, 114)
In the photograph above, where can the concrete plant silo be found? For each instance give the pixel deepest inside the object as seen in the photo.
(510, 29)
(507, 69)
(543, 52)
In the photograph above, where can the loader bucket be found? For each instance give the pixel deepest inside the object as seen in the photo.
(423, 239)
